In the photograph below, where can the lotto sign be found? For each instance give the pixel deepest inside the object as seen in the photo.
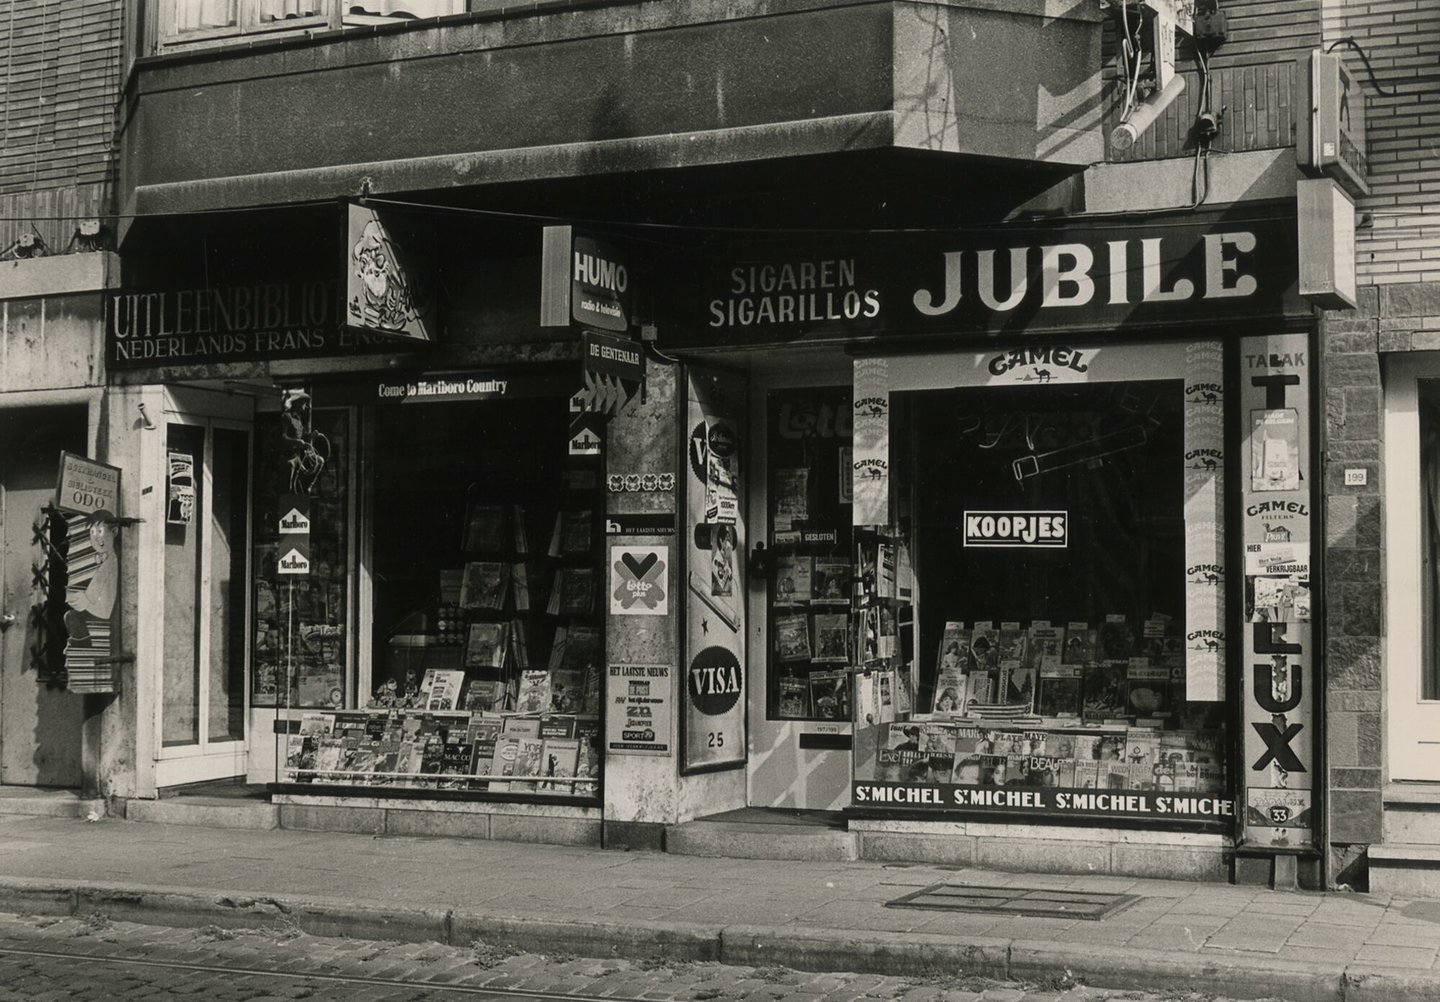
(639, 583)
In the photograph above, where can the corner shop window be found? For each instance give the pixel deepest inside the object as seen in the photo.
(487, 625)
(301, 656)
(810, 644)
(1046, 532)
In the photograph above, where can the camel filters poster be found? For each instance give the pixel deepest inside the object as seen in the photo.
(1277, 696)
(714, 709)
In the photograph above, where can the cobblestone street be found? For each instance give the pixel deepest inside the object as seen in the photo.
(91, 957)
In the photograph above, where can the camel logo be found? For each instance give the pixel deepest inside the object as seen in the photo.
(1040, 362)
(1205, 640)
(1205, 574)
(1204, 393)
(871, 469)
(1203, 459)
(872, 406)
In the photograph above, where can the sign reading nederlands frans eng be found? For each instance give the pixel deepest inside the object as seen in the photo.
(1236, 264)
(235, 323)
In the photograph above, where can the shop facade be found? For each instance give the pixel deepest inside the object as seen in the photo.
(964, 537)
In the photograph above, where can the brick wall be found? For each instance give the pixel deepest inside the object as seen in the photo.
(1354, 600)
(1402, 40)
(60, 65)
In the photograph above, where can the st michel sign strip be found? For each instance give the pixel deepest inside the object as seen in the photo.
(1199, 268)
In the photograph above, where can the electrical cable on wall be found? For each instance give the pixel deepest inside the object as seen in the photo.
(1374, 81)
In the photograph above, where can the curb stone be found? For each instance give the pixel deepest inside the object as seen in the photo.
(800, 948)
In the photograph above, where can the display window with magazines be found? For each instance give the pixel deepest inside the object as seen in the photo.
(1037, 608)
(445, 636)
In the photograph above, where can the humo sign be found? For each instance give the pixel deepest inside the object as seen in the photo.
(1016, 528)
(584, 281)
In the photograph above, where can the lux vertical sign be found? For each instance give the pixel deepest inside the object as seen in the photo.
(1278, 690)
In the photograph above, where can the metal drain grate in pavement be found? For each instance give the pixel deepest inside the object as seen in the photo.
(1015, 901)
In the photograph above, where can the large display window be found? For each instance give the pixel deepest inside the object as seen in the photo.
(1034, 579)
(480, 610)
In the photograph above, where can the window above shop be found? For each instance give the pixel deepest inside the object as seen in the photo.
(202, 23)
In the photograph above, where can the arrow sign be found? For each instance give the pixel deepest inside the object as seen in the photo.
(613, 370)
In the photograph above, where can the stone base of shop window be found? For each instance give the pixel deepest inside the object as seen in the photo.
(1048, 849)
(504, 822)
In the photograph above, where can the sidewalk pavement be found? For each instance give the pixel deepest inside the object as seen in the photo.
(1243, 942)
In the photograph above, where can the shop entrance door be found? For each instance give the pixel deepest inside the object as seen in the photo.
(800, 723)
(204, 601)
(39, 720)
(1412, 548)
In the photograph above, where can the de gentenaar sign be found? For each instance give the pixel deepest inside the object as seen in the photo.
(1191, 269)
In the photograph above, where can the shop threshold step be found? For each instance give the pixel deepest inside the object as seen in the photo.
(205, 812)
(1405, 868)
(753, 840)
(50, 803)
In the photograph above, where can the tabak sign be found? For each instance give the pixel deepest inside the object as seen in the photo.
(1207, 266)
(1044, 800)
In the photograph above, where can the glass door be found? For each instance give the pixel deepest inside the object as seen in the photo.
(1412, 557)
(206, 533)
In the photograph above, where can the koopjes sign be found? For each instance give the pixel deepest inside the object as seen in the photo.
(1017, 528)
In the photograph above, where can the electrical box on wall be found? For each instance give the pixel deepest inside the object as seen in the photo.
(1330, 139)
(1325, 218)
